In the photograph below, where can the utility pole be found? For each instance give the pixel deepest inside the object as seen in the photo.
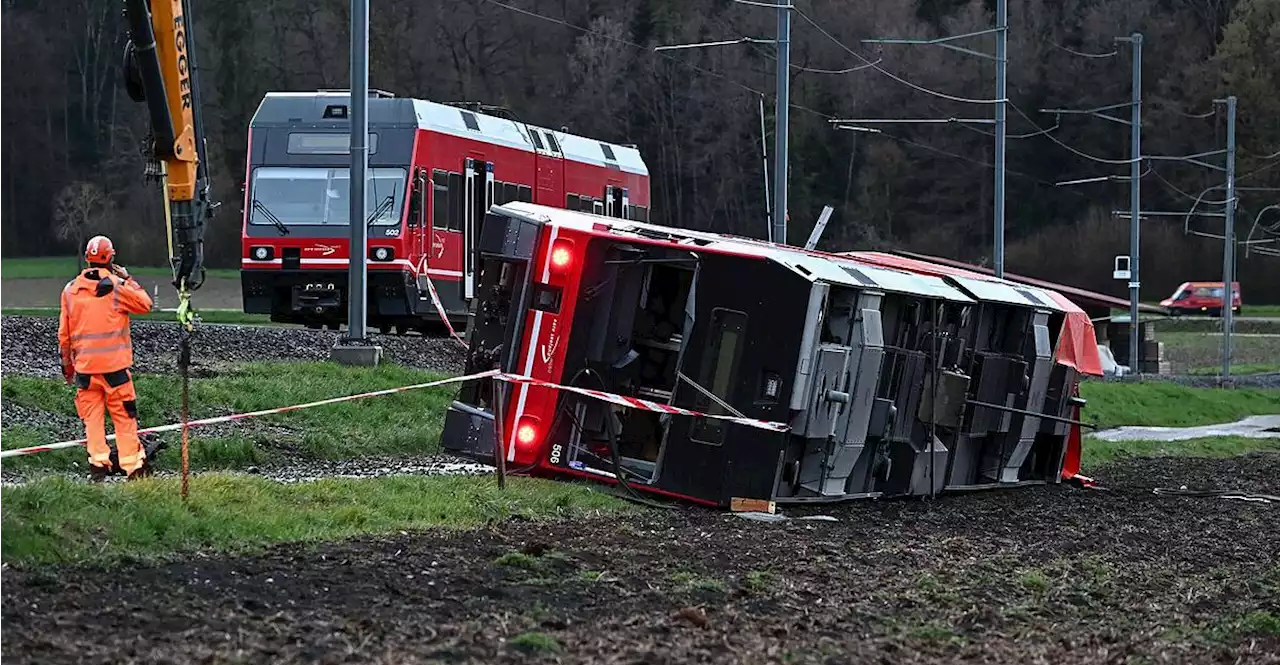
(1229, 240)
(1001, 58)
(1135, 198)
(1135, 186)
(1002, 65)
(782, 126)
(778, 223)
(352, 349)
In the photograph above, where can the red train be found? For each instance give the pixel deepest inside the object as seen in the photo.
(434, 171)
(894, 377)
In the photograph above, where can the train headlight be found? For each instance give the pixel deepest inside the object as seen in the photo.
(261, 253)
(381, 254)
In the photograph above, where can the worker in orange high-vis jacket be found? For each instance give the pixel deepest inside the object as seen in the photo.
(97, 355)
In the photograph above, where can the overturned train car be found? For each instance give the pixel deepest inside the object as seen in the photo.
(895, 377)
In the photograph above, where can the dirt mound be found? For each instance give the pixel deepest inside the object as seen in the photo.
(1052, 574)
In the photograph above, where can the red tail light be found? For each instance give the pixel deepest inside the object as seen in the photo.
(561, 255)
(527, 432)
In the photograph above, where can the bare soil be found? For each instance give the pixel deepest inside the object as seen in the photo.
(1035, 575)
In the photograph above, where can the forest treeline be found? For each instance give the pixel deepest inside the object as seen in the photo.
(71, 136)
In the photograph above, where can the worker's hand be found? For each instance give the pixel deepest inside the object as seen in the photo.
(68, 373)
(120, 271)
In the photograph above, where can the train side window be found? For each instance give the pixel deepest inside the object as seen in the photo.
(719, 366)
(457, 201)
(608, 152)
(571, 202)
(640, 213)
(597, 207)
(551, 140)
(469, 119)
(440, 208)
(510, 192)
(537, 140)
(526, 193)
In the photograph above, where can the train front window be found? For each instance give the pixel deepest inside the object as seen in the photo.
(318, 196)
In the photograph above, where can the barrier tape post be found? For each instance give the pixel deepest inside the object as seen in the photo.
(187, 319)
(499, 448)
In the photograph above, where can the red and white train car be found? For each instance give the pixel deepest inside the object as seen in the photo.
(434, 171)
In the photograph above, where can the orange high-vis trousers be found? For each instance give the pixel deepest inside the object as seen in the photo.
(114, 393)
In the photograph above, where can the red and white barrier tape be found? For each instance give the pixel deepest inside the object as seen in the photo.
(637, 403)
(435, 300)
(255, 414)
(621, 400)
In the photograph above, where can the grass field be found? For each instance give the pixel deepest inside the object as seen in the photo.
(1162, 404)
(230, 316)
(56, 520)
(45, 267)
(1195, 353)
(1098, 452)
(404, 423)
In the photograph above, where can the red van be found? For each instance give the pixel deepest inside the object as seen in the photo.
(1200, 298)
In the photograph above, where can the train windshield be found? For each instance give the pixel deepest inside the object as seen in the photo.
(318, 196)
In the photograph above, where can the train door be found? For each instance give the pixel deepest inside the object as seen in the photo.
(617, 202)
(479, 198)
(419, 229)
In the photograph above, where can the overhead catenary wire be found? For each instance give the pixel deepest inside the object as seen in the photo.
(867, 61)
(1075, 151)
(1083, 54)
(758, 93)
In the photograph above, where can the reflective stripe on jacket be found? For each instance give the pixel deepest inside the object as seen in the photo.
(93, 329)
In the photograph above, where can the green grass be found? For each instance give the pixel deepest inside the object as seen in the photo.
(1097, 451)
(206, 315)
(402, 423)
(46, 267)
(1269, 311)
(1163, 404)
(55, 520)
(1247, 369)
(534, 643)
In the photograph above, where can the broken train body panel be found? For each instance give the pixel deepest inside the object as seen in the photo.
(893, 380)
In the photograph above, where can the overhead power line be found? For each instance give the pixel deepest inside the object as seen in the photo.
(747, 88)
(867, 61)
(1080, 153)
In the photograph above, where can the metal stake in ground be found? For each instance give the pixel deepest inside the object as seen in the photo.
(184, 364)
(187, 318)
(499, 450)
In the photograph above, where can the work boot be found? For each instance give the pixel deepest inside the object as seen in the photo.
(98, 474)
(143, 471)
(153, 445)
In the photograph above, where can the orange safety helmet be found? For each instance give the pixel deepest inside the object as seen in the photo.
(99, 251)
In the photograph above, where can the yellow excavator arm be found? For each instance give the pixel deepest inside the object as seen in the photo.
(160, 70)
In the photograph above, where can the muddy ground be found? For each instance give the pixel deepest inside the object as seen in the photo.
(1051, 574)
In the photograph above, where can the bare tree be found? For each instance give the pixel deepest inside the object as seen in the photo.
(77, 209)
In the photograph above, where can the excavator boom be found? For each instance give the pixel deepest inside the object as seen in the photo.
(160, 70)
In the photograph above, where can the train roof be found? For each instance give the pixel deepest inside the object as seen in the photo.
(891, 273)
(812, 266)
(291, 109)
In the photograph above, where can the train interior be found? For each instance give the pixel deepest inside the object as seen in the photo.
(633, 304)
